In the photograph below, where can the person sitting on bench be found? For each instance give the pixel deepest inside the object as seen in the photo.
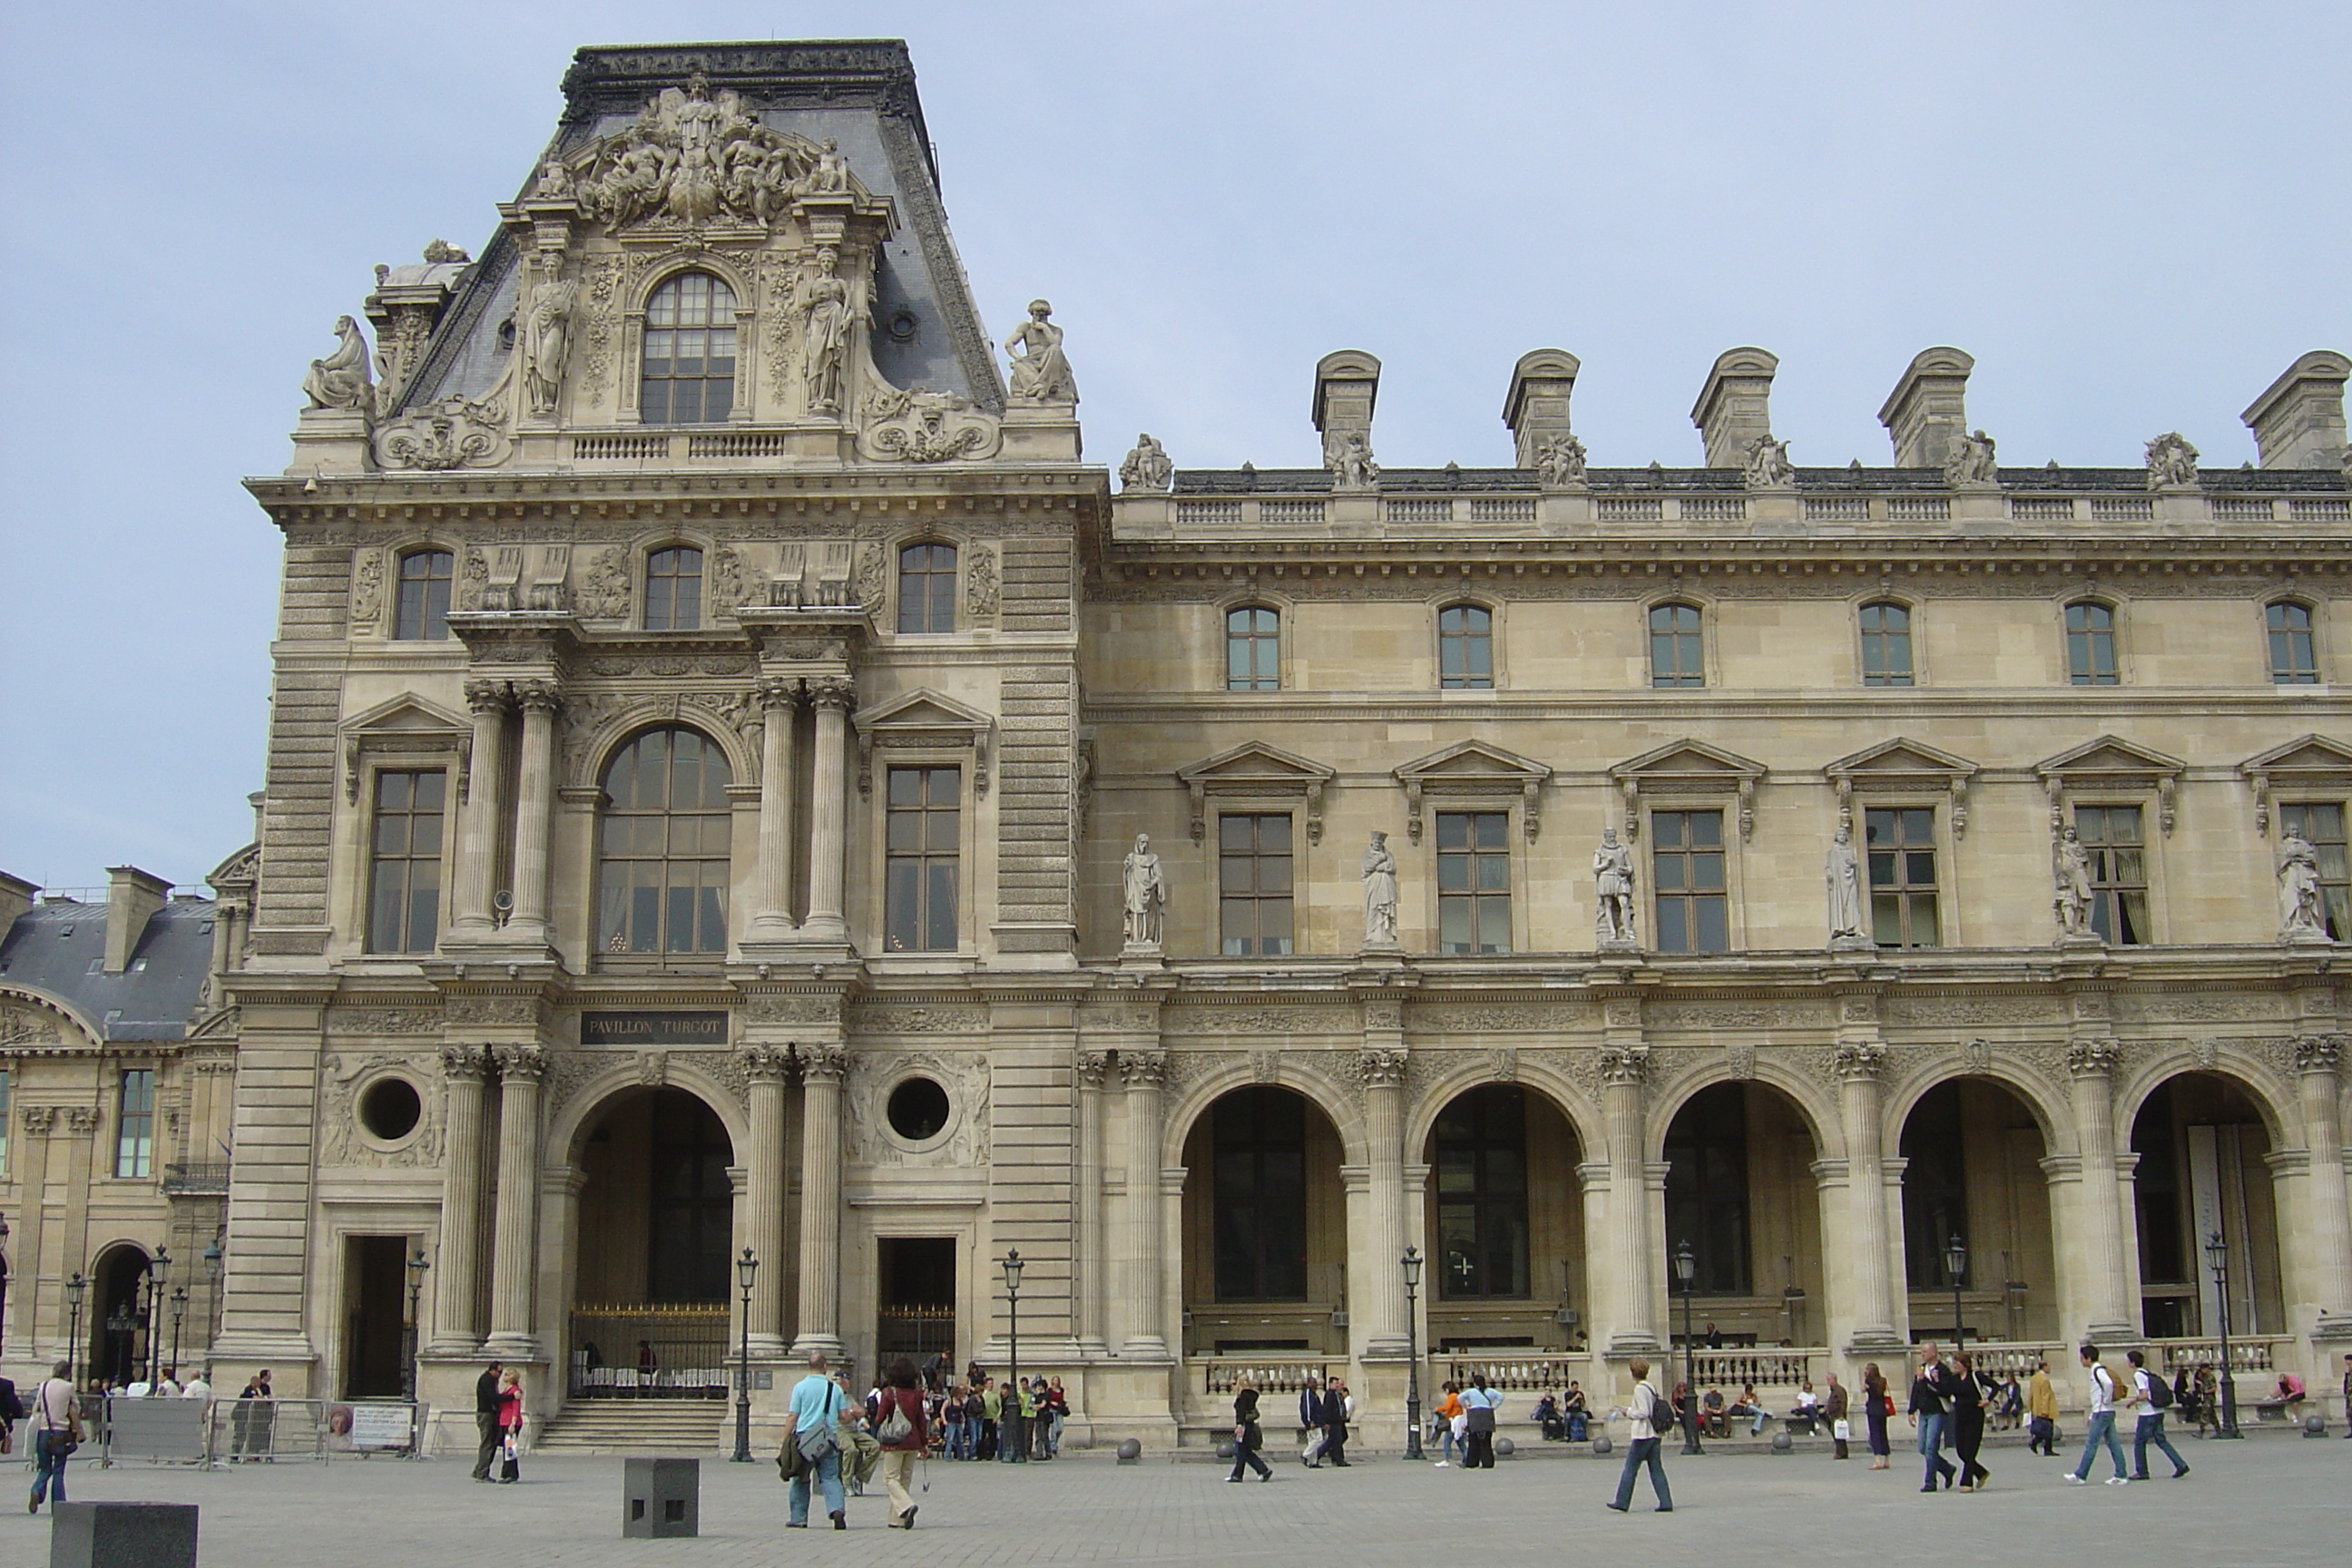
(1751, 1405)
(2286, 1403)
(1575, 1410)
(1808, 1410)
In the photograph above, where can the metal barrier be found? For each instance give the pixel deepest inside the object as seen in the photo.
(263, 1431)
(650, 1352)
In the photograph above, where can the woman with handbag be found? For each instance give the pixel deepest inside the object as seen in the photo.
(903, 1434)
(55, 1432)
(1877, 1406)
(1248, 1437)
(511, 1428)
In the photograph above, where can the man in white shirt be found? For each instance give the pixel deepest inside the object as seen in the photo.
(197, 1388)
(1642, 1446)
(2103, 1422)
(2150, 1428)
(54, 1429)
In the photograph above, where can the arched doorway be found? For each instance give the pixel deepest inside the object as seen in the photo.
(654, 1281)
(1972, 1152)
(1505, 1217)
(1264, 1228)
(118, 1320)
(1741, 1195)
(2204, 1167)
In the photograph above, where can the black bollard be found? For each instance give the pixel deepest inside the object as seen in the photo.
(123, 1535)
(660, 1499)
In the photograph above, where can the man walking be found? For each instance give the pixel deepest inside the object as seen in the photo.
(1337, 1409)
(2103, 1422)
(1311, 1437)
(54, 1430)
(2150, 1393)
(817, 1404)
(2041, 1407)
(486, 1421)
(1931, 1405)
(1644, 1430)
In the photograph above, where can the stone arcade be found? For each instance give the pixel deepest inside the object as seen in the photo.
(871, 839)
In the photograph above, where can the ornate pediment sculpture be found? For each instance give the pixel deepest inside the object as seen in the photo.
(693, 156)
(452, 433)
(920, 427)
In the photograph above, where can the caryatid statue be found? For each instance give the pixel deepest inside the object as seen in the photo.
(2070, 868)
(1843, 874)
(1144, 890)
(550, 339)
(2301, 915)
(1379, 894)
(1613, 877)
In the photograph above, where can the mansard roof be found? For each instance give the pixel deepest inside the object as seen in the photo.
(57, 949)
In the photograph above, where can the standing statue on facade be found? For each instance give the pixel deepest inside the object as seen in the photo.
(1844, 872)
(1379, 895)
(825, 337)
(2071, 871)
(1146, 468)
(341, 380)
(550, 339)
(1041, 374)
(1612, 876)
(1350, 458)
(1145, 891)
(2301, 916)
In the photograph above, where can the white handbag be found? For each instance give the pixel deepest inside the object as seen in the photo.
(1842, 1429)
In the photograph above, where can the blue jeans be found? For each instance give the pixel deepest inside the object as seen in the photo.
(2103, 1430)
(953, 1449)
(2151, 1430)
(1931, 1447)
(49, 1452)
(1449, 1447)
(1639, 1452)
(828, 1476)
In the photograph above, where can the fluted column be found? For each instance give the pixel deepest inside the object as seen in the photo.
(772, 903)
(534, 808)
(2098, 1244)
(29, 1311)
(1093, 1067)
(514, 1252)
(458, 1320)
(823, 1068)
(1873, 1306)
(1632, 1250)
(765, 1067)
(1380, 1296)
(834, 696)
(2318, 1058)
(1144, 1288)
(478, 819)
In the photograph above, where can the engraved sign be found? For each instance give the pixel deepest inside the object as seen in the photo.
(653, 1028)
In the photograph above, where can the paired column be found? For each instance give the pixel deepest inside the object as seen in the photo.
(2318, 1060)
(534, 806)
(457, 1323)
(765, 1067)
(823, 1068)
(485, 806)
(834, 696)
(1634, 1263)
(1380, 1069)
(1143, 1287)
(2098, 1205)
(1873, 1306)
(772, 903)
(514, 1251)
(1093, 1067)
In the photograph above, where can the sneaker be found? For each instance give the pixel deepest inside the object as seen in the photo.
(2075, 1479)
(1444, 1465)
(909, 1523)
(2118, 1480)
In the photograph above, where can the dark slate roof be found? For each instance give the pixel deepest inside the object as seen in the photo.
(59, 948)
(1470, 482)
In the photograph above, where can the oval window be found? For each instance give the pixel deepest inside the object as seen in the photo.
(918, 1110)
(389, 1109)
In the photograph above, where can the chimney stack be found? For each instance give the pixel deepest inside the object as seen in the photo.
(1735, 405)
(15, 899)
(1927, 410)
(1347, 384)
(2298, 423)
(133, 898)
(1535, 409)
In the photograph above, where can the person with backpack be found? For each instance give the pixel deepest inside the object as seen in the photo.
(2149, 1397)
(54, 1429)
(2101, 1423)
(1649, 1418)
(1479, 1404)
(813, 1447)
(904, 1434)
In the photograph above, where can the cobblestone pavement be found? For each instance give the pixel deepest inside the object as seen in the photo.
(2273, 1501)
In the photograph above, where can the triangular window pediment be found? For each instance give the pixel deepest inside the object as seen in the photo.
(1254, 768)
(1901, 757)
(1687, 765)
(2305, 763)
(1474, 768)
(2109, 757)
(922, 719)
(404, 731)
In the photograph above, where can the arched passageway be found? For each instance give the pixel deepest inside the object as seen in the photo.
(2204, 1167)
(1740, 1194)
(1264, 1228)
(117, 1323)
(1505, 1217)
(1972, 1153)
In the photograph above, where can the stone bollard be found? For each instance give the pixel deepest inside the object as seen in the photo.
(661, 1499)
(1505, 1448)
(2314, 1426)
(1601, 1445)
(1226, 1448)
(1129, 1451)
(123, 1535)
(1783, 1443)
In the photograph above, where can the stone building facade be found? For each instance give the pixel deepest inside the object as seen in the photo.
(747, 783)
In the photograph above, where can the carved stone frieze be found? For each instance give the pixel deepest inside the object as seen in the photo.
(1265, 1067)
(343, 1140)
(2093, 1057)
(1969, 1010)
(949, 1018)
(1736, 1015)
(792, 1010)
(917, 426)
(21, 1027)
(475, 1010)
(367, 589)
(965, 1077)
(383, 1020)
(1976, 1057)
(2196, 1008)
(454, 432)
(1502, 1017)
(980, 588)
(1379, 1067)
(1739, 1061)
(605, 593)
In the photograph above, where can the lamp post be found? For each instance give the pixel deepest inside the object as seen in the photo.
(1686, 1271)
(159, 1275)
(1009, 1409)
(413, 1327)
(4, 1275)
(1412, 1261)
(179, 1311)
(121, 1329)
(1956, 1265)
(746, 1267)
(75, 1287)
(213, 1267)
(2217, 1255)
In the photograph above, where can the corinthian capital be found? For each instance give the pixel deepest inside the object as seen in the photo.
(40, 1119)
(2093, 1058)
(520, 1064)
(2318, 1053)
(775, 691)
(487, 696)
(465, 1064)
(823, 1064)
(833, 691)
(1860, 1059)
(538, 696)
(1094, 1067)
(765, 1064)
(1379, 1067)
(1623, 1064)
(1143, 1069)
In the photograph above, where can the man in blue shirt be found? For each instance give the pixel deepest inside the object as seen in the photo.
(817, 1404)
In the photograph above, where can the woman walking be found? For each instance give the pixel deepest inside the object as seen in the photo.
(1874, 1414)
(1248, 1436)
(1449, 1425)
(1640, 1414)
(1967, 1422)
(905, 1435)
(510, 1427)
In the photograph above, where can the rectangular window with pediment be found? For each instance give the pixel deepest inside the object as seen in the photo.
(2119, 872)
(405, 861)
(1686, 870)
(2321, 824)
(1901, 852)
(1473, 881)
(1253, 884)
(925, 836)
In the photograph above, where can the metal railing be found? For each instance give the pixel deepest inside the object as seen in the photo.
(627, 1351)
(1223, 1374)
(199, 1178)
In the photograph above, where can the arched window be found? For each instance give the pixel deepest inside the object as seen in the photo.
(422, 612)
(2295, 657)
(662, 847)
(1885, 645)
(674, 589)
(1675, 647)
(688, 373)
(1466, 648)
(1253, 649)
(927, 579)
(2091, 644)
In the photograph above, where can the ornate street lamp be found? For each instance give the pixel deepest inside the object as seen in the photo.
(4, 1273)
(2217, 1257)
(179, 1311)
(415, 1324)
(1956, 1267)
(75, 1287)
(159, 1270)
(746, 1268)
(1009, 1410)
(212, 1266)
(1686, 1271)
(1411, 1262)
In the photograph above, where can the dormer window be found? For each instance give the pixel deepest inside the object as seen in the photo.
(689, 372)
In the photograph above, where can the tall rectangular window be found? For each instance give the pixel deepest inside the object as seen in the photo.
(2091, 644)
(1482, 1193)
(924, 835)
(405, 862)
(2118, 871)
(673, 590)
(1253, 908)
(1687, 872)
(1465, 647)
(135, 1124)
(1253, 649)
(1903, 891)
(1259, 1184)
(2295, 657)
(1885, 645)
(1473, 881)
(2321, 824)
(1706, 1188)
(1934, 1186)
(1674, 648)
(422, 609)
(927, 580)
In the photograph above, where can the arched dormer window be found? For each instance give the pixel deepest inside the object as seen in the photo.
(2295, 655)
(422, 611)
(688, 372)
(927, 580)
(1466, 648)
(1676, 653)
(1253, 648)
(2091, 644)
(674, 589)
(662, 846)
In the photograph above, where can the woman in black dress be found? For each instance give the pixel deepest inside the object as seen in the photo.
(1247, 1437)
(1873, 1414)
(1968, 1422)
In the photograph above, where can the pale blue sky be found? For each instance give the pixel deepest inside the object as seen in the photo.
(2134, 215)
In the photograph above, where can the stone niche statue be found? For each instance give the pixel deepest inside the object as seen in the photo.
(2070, 869)
(550, 339)
(1041, 374)
(2302, 917)
(1144, 890)
(1613, 877)
(2171, 462)
(1379, 895)
(1972, 461)
(825, 337)
(341, 380)
(1842, 872)
(1146, 468)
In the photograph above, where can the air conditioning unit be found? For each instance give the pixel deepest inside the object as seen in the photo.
(1567, 1317)
(1339, 1319)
